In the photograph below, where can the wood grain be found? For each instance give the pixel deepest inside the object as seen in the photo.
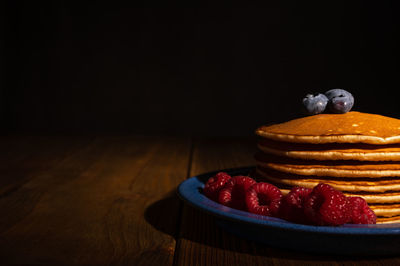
(105, 202)
(112, 200)
(202, 242)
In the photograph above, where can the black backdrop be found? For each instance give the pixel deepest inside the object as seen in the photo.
(111, 68)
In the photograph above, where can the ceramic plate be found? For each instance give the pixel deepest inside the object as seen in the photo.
(347, 239)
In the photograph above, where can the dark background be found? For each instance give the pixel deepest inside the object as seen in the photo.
(111, 68)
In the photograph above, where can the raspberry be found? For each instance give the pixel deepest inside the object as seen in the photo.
(215, 184)
(360, 213)
(234, 191)
(326, 206)
(263, 198)
(292, 208)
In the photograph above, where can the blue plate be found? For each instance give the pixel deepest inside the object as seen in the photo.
(381, 239)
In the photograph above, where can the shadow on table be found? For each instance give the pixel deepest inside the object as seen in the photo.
(183, 222)
(164, 214)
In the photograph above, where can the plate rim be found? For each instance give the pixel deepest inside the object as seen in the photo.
(189, 192)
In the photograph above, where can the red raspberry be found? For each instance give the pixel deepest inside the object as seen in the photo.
(215, 184)
(263, 198)
(326, 206)
(234, 191)
(360, 213)
(292, 208)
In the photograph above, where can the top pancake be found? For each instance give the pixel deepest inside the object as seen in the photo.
(351, 127)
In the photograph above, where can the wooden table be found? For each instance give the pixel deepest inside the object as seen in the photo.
(112, 200)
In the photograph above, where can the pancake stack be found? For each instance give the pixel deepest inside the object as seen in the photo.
(356, 153)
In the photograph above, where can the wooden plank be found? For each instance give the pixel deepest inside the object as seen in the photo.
(111, 202)
(21, 160)
(202, 242)
(21, 157)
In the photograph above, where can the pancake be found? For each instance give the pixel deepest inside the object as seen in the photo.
(331, 152)
(356, 153)
(392, 197)
(343, 185)
(322, 170)
(351, 127)
(387, 210)
(388, 220)
(347, 169)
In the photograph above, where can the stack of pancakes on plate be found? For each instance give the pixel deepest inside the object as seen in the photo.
(357, 153)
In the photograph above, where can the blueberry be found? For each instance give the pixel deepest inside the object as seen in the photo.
(315, 104)
(340, 101)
